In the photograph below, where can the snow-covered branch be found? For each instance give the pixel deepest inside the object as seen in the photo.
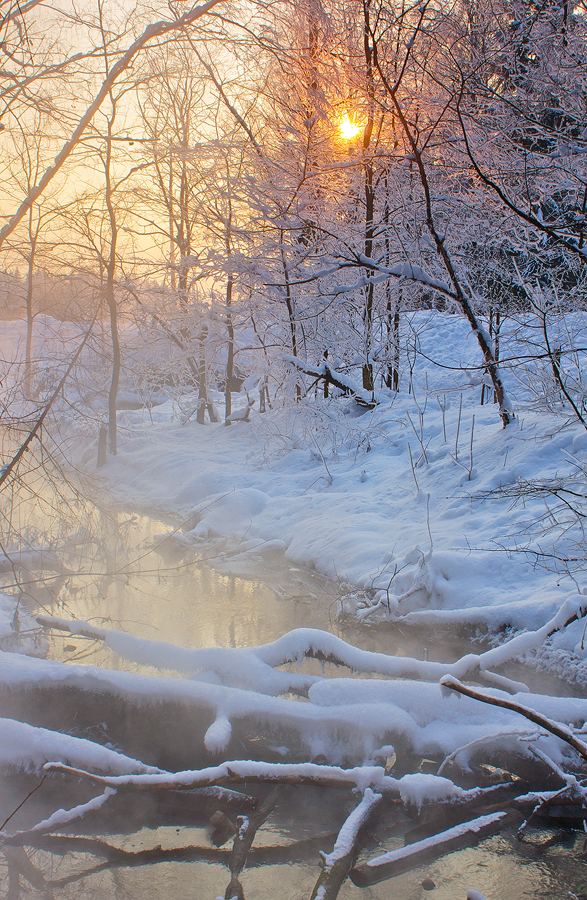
(397, 861)
(336, 379)
(548, 724)
(337, 864)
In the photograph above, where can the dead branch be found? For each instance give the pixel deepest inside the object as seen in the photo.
(238, 772)
(561, 731)
(243, 841)
(330, 376)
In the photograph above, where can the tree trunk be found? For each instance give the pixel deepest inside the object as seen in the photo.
(230, 351)
(109, 291)
(289, 302)
(368, 380)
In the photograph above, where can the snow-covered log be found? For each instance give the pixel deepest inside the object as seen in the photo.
(251, 771)
(255, 667)
(337, 864)
(465, 835)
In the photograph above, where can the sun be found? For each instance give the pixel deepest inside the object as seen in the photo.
(348, 129)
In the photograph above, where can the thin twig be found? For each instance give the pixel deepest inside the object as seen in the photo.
(413, 469)
(20, 805)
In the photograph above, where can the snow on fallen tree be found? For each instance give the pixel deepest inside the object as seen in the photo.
(412, 789)
(28, 748)
(347, 721)
(255, 667)
(331, 376)
(341, 729)
(337, 864)
(397, 861)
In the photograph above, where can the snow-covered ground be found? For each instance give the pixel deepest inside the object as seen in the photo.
(386, 501)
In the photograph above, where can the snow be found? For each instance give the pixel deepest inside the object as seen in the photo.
(419, 788)
(351, 827)
(334, 487)
(63, 817)
(26, 747)
(254, 667)
(218, 734)
(347, 720)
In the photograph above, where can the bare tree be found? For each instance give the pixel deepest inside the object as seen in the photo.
(124, 60)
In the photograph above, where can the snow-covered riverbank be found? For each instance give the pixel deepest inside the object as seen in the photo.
(395, 502)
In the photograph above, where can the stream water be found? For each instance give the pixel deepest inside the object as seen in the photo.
(116, 571)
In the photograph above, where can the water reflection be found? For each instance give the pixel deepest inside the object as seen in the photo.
(164, 595)
(161, 590)
(173, 862)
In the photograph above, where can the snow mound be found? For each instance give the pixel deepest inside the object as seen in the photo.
(228, 513)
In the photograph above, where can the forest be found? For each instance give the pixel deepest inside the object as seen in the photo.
(293, 472)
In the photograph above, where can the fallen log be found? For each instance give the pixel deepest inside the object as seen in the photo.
(337, 865)
(405, 858)
(241, 772)
(243, 841)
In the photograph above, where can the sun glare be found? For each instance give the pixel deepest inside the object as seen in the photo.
(348, 129)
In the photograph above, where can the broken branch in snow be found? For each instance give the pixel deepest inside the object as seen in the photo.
(561, 731)
(243, 841)
(329, 375)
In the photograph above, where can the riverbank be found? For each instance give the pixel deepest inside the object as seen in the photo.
(423, 508)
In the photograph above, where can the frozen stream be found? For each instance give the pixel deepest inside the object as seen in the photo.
(125, 578)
